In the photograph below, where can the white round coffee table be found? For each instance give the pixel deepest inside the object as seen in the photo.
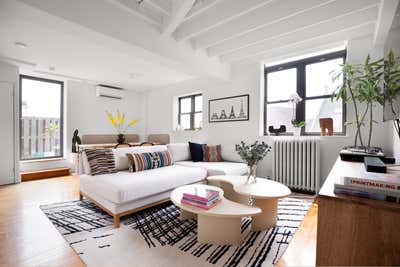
(265, 194)
(220, 224)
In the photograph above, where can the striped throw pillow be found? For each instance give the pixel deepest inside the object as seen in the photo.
(101, 161)
(151, 160)
(212, 153)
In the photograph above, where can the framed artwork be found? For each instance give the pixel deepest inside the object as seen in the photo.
(233, 108)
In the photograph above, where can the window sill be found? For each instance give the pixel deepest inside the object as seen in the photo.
(42, 160)
(187, 131)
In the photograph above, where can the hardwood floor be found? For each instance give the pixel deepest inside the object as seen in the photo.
(29, 239)
(27, 236)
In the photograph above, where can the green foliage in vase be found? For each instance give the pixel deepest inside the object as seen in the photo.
(253, 153)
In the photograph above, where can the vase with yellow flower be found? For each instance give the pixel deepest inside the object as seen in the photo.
(118, 122)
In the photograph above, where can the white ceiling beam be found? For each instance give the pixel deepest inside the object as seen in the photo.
(200, 7)
(257, 18)
(338, 25)
(302, 47)
(179, 10)
(221, 12)
(290, 24)
(387, 12)
(136, 9)
(161, 6)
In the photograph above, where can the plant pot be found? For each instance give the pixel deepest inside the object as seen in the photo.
(251, 174)
(121, 139)
(297, 131)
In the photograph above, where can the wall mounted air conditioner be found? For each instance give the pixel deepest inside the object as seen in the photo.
(109, 91)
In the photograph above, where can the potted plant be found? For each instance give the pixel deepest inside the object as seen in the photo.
(119, 123)
(76, 140)
(297, 124)
(363, 86)
(297, 127)
(252, 154)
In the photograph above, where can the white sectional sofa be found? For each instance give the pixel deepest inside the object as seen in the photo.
(126, 192)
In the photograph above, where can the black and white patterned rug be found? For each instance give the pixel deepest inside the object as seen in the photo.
(158, 232)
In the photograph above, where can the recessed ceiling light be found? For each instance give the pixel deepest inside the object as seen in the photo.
(20, 44)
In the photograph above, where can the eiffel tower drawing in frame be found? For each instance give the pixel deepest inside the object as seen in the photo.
(233, 108)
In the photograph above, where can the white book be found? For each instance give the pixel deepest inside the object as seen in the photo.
(387, 184)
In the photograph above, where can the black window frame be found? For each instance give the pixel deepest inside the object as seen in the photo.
(192, 111)
(61, 83)
(301, 65)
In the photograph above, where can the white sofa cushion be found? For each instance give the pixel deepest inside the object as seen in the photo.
(217, 168)
(126, 186)
(179, 151)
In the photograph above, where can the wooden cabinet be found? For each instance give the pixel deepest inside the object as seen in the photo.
(355, 231)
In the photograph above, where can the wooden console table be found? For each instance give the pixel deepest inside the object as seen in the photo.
(353, 230)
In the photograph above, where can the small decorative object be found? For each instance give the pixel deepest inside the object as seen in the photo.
(252, 154)
(281, 129)
(224, 109)
(326, 125)
(119, 123)
(76, 140)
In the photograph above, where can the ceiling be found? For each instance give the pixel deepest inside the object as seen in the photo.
(144, 44)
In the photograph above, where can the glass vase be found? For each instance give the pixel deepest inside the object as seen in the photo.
(251, 174)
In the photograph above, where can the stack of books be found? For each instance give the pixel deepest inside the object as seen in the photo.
(379, 188)
(202, 198)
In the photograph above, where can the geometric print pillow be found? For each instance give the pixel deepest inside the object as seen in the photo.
(147, 161)
(101, 161)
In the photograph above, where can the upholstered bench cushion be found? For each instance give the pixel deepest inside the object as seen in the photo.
(217, 168)
(126, 186)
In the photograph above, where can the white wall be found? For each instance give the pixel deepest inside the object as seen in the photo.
(10, 74)
(86, 112)
(247, 80)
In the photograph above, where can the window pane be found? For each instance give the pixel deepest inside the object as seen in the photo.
(280, 114)
(40, 119)
(319, 77)
(186, 105)
(281, 84)
(323, 108)
(185, 121)
(198, 103)
(198, 120)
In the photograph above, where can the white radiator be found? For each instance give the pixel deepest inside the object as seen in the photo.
(296, 163)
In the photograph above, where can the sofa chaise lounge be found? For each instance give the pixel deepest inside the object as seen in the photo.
(125, 192)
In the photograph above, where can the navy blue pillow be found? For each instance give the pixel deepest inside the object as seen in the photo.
(196, 151)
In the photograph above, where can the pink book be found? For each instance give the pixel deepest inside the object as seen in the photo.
(201, 206)
(202, 194)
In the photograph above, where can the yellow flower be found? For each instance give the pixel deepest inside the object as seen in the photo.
(133, 122)
(111, 118)
(119, 117)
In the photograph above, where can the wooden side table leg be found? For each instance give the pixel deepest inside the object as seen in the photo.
(219, 230)
(268, 216)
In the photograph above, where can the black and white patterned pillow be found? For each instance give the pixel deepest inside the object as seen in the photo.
(101, 161)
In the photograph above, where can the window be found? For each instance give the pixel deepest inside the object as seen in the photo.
(41, 121)
(190, 115)
(311, 79)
